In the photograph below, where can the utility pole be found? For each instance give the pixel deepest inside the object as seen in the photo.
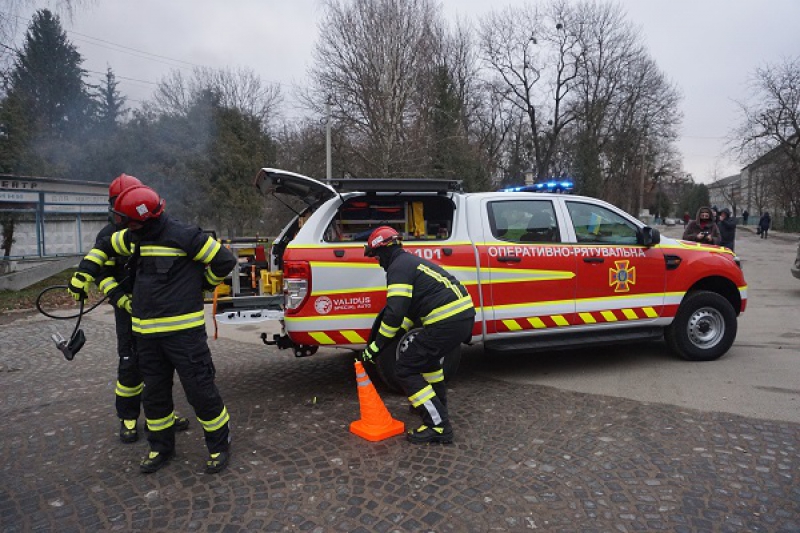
(328, 165)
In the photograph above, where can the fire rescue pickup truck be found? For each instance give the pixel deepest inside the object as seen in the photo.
(545, 271)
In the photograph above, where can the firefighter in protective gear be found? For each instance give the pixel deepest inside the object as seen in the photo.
(419, 291)
(116, 282)
(173, 263)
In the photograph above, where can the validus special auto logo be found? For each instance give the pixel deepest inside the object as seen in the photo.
(323, 305)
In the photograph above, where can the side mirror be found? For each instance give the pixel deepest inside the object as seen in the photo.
(648, 236)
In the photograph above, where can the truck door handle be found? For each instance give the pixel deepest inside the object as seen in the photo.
(509, 259)
(593, 259)
(338, 253)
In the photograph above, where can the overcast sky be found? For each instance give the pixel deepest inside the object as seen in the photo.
(707, 48)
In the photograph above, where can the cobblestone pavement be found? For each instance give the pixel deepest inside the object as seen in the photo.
(525, 457)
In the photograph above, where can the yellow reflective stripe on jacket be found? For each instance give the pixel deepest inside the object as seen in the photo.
(213, 278)
(441, 279)
(170, 323)
(407, 323)
(447, 310)
(97, 256)
(217, 423)
(128, 392)
(118, 243)
(434, 377)
(387, 331)
(160, 424)
(108, 285)
(422, 396)
(161, 251)
(208, 252)
(111, 262)
(399, 289)
(373, 346)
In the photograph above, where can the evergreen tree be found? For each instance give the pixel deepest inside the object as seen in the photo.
(47, 76)
(110, 105)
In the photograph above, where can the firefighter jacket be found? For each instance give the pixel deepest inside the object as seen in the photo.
(174, 261)
(114, 280)
(419, 291)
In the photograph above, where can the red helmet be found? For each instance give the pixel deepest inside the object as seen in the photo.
(382, 237)
(138, 204)
(120, 183)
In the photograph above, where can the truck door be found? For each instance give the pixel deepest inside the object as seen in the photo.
(618, 280)
(530, 274)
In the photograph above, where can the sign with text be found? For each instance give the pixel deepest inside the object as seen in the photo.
(13, 196)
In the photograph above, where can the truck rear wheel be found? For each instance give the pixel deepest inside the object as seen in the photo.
(387, 360)
(704, 327)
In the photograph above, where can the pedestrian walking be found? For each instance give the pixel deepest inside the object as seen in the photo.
(745, 216)
(727, 229)
(702, 229)
(764, 224)
(174, 262)
(419, 291)
(116, 282)
(686, 218)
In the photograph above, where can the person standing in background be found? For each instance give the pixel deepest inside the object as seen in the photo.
(763, 224)
(727, 229)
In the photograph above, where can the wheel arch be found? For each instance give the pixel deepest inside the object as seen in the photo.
(722, 286)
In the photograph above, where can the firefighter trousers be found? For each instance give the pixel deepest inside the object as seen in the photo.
(128, 392)
(185, 352)
(419, 368)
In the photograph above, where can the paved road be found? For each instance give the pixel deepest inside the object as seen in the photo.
(649, 450)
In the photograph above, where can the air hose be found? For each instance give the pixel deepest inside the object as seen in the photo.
(76, 341)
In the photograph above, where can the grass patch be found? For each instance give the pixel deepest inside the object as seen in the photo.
(26, 298)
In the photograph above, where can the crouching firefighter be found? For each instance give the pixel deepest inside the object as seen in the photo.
(116, 282)
(419, 291)
(174, 263)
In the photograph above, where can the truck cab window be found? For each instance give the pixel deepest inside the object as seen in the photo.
(524, 221)
(596, 224)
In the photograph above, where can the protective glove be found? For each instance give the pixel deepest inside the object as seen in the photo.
(125, 301)
(370, 353)
(79, 286)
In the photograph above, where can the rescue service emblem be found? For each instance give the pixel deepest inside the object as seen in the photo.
(622, 277)
(323, 305)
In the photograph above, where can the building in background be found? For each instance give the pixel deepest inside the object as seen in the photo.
(51, 216)
(727, 192)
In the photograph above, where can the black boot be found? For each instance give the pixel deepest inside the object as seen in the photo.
(127, 431)
(217, 462)
(442, 434)
(154, 461)
(181, 423)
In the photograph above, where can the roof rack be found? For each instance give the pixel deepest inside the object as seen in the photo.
(396, 185)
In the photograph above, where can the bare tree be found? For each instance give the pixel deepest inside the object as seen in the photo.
(372, 60)
(533, 52)
(771, 125)
(240, 89)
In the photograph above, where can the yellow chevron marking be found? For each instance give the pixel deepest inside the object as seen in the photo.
(512, 325)
(609, 316)
(352, 336)
(587, 318)
(560, 320)
(630, 314)
(650, 312)
(321, 337)
(537, 323)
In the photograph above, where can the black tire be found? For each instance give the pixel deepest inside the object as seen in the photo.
(387, 360)
(704, 327)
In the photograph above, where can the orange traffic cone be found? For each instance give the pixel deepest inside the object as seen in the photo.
(376, 423)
